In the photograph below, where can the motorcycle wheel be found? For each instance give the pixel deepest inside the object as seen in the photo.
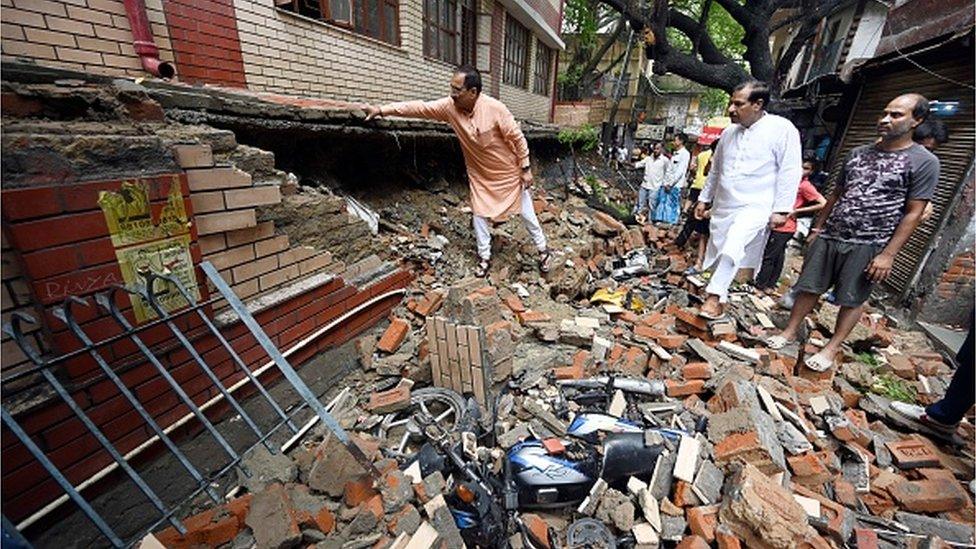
(402, 433)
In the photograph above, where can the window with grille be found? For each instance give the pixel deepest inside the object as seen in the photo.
(450, 30)
(378, 19)
(515, 65)
(543, 68)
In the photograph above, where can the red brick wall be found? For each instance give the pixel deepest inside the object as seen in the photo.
(205, 41)
(59, 244)
(26, 487)
(958, 279)
(548, 12)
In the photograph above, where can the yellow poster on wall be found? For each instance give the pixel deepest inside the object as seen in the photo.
(145, 245)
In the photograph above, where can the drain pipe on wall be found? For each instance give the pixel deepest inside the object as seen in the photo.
(142, 40)
(44, 511)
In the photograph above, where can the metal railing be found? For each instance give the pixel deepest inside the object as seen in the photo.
(151, 292)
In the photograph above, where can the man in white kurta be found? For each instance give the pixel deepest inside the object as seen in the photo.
(655, 169)
(751, 187)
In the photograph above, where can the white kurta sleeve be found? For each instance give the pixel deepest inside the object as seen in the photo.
(789, 163)
(678, 169)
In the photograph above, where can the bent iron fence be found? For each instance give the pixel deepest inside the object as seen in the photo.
(151, 291)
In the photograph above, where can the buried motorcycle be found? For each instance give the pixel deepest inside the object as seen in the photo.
(488, 491)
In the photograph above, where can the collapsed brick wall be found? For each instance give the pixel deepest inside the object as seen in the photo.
(93, 36)
(294, 291)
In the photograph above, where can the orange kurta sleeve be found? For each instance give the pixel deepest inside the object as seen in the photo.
(439, 109)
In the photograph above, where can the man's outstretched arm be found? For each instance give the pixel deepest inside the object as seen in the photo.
(428, 110)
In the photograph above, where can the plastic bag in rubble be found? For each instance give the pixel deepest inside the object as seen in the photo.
(604, 295)
(635, 263)
(358, 209)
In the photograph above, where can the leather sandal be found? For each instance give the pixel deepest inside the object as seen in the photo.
(483, 268)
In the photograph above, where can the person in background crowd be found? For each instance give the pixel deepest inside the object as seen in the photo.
(655, 168)
(931, 134)
(751, 186)
(496, 155)
(808, 200)
(876, 204)
(702, 164)
(669, 196)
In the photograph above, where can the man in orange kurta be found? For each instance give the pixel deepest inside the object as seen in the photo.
(495, 153)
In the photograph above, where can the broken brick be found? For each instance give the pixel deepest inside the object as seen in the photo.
(696, 370)
(538, 529)
(726, 539)
(692, 542)
(929, 496)
(671, 342)
(210, 528)
(569, 372)
(514, 304)
(430, 304)
(703, 520)
(394, 335)
(808, 469)
(865, 538)
(392, 400)
(357, 491)
(684, 388)
(530, 317)
(911, 454)
(325, 519)
(761, 512)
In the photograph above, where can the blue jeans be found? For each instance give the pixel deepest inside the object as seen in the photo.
(646, 199)
(961, 393)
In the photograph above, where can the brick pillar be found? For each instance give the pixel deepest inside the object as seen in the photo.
(205, 42)
(497, 47)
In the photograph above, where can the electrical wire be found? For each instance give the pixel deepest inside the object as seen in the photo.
(903, 55)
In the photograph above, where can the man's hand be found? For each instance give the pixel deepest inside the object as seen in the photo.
(926, 213)
(700, 210)
(526, 179)
(777, 220)
(372, 112)
(880, 267)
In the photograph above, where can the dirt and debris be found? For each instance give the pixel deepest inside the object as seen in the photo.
(607, 412)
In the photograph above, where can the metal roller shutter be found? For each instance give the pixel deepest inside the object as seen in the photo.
(882, 84)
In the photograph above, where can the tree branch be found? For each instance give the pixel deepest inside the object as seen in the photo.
(707, 48)
(598, 55)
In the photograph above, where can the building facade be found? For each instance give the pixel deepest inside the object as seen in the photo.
(347, 50)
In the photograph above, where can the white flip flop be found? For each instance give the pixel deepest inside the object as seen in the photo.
(818, 363)
(777, 342)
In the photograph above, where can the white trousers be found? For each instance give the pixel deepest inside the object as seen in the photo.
(482, 226)
(723, 273)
